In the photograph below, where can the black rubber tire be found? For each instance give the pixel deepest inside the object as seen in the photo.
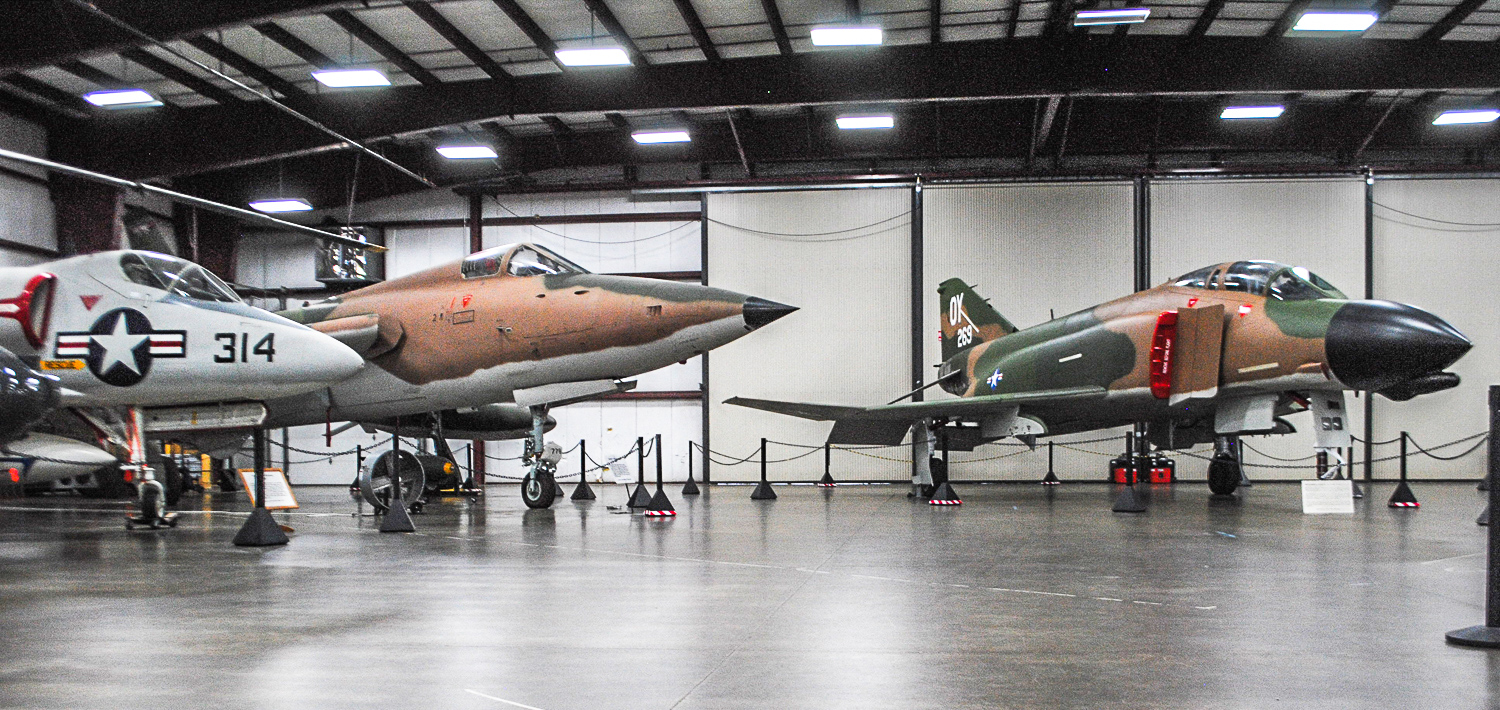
(538, 489)
(1223, 475)
(152, 507)
(171, 481)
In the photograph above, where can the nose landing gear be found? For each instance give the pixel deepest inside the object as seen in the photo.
(1224, 471)
(539, 486)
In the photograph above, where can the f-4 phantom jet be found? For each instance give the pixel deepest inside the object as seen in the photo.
(1221, 352)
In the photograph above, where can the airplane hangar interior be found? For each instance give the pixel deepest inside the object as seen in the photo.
(687, 354)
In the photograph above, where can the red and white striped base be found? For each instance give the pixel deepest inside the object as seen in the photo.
(1412, 504)
(660, 513)
(945, 502)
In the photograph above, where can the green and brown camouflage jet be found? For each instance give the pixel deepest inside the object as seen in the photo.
(1220, 352)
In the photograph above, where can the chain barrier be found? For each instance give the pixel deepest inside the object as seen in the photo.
(1482, 436)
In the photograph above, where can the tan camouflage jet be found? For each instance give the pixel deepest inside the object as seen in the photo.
(514, 324)
(1223, 351)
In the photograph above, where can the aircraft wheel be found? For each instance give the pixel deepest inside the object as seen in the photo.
(153, 506)
(1223, 475)
(538, 489)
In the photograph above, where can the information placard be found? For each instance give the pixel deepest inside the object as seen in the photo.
(278, 489)
(1319, 497)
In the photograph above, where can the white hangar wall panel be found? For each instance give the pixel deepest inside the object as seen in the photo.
(1318, 224)
(272, 260)
(27, 215)
(1447, 269)
(850, 342)
(1028, 249)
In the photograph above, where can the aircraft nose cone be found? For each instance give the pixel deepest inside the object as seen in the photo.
(759, 311)
(1373, 345)
(329, 360)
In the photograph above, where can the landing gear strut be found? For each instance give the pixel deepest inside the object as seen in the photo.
(539, 486)
(151, 495)
(1224, 469)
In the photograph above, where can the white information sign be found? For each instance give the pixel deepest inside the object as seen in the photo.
(278, 489)
(1320, 497)
(621, 472)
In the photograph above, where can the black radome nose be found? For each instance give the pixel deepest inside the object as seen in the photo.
(1373, 345)
(759, 311)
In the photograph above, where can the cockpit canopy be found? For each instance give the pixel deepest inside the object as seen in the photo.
(176, 276)
(1261, 278)
(518, 260)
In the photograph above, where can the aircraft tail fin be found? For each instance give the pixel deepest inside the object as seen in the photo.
(967, 319)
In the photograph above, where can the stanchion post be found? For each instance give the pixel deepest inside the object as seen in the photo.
(1488, 635)
(396, 519)
(260, 529)
(763, 489)
(1403, 457)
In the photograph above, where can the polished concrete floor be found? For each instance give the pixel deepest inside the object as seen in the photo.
(853, 597)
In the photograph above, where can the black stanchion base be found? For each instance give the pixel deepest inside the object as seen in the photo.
(583, 491)
(1484, 484)
(260, 530)
(640, 498)
(1476, 636)
(397, 520)
(1358, 492)
(1129, 502)
(763, 492)
(827, 480)
(944, 495)
(1245, 480)
(1484, 517)
(690, 488)
(1403, 497)
(1051, 479)
(559, 492)
(660, 507)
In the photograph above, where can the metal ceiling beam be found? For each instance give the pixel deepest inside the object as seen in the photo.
(528, 26)
(558, 127)
(455, 37)
(695, 26)
(42, 90)
(244, 66)
(615, 29)
(1013, 20)
(34, 34)
(294, 44)
(1454, 18)
(197, 84)
(1206, 18)
(935, 21)
(87, 72)
(1288, 18)
(851, 10)
(199, 139)
(383, 47)
(617, 120)
(1058, 18)
(778, 28)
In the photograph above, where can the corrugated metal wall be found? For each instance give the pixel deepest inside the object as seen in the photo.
(844, 258)
(1318, 224)
(1449, 268)
(1031, 250)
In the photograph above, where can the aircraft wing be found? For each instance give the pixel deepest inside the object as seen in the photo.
(887, 424)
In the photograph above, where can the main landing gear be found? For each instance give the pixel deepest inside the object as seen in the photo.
(539, 486)
(1224, 470)
(151, 495)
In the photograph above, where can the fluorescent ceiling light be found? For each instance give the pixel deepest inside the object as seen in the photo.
(845, 36)
(349, 78)
(647, 137)
(121, 98)
(282, 205)
(1234, 112)
(1449, 118)
(467, 152)
(1125, 16)
(597, 57)
(856, 122)
(1335, 21)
